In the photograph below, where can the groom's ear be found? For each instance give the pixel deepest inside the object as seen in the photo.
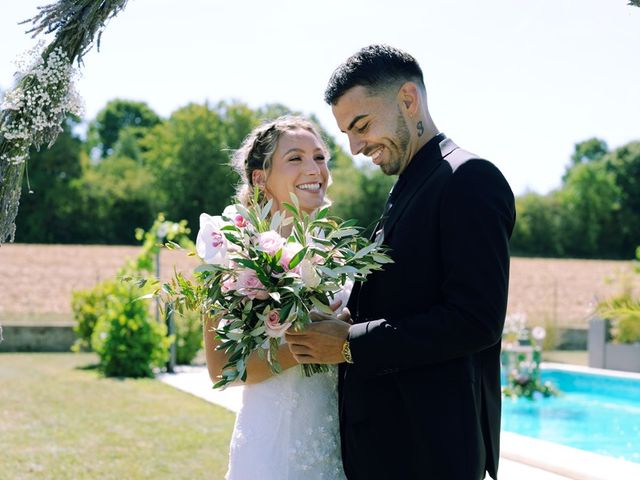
(409, 98)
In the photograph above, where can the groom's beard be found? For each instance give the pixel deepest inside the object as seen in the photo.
(398, 161)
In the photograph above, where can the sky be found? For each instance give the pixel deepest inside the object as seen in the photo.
(516, 82)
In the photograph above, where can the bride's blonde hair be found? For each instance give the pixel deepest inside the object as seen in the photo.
(257, 149)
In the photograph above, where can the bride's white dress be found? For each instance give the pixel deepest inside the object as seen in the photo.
(287, 429)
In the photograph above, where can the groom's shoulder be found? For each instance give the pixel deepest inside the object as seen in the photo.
(455, 157)
(467, 168)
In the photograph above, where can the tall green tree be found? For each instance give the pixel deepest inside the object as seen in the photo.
(117, 115)
(46, 210)
(539, 224)
(624, 162)
(115, 197)
(590, 150)
(190, 153)
(590, 200)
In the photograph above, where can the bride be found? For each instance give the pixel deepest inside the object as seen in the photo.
(287, 426)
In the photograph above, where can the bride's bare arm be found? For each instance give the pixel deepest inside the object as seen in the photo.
(257, 368)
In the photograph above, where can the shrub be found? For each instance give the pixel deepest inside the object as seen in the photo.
(624, 313)
(188, 336)
(623, 310)
(127, 340)
(87, 305)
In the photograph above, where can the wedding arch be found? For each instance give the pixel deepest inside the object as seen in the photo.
(31, 114)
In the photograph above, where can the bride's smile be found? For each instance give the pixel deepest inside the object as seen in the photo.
(299, 165)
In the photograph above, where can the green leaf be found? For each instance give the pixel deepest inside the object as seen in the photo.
(266, 210)
(349, 232)
(322, 213)
(173, 245)
(294, 200)
(144, 297)
(327, 272)
(365, 251)
(206, 267)
(297, 258)
(259, 330)
(381, 258)
(245, 262)
(348, 223)
(320, 305)
(348, 269)
(276, 220)
(275, 296)
(285, 310)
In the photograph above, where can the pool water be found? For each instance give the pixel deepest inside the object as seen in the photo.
(598, 413)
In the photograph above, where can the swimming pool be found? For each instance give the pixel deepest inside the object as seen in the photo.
(596, 412)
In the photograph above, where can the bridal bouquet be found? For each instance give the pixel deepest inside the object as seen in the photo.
(257, 283)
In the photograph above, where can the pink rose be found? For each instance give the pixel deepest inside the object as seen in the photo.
(250, 286)
(288, 252)
(270, 242)
(228, 284)
(273, 326)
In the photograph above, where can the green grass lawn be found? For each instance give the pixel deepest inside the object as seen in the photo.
(62, 420)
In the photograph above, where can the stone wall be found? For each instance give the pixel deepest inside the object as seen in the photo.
(37, 338)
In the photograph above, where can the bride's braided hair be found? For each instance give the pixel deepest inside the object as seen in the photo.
(257, 149)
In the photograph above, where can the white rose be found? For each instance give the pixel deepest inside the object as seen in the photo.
(308, 273)
(211, 244)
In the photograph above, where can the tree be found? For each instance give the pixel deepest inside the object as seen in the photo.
(116, 116)
(538, 227)
(590, 150)
(190, 153)
(624, 162)
(591, 204)
(45, 211)
(114, 198)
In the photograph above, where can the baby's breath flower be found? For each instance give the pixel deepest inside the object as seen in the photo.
(43, 97)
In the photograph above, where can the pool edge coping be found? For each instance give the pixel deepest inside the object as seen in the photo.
(590, 370)
(563, 460)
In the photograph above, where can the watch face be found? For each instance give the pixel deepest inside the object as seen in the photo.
(346, 351)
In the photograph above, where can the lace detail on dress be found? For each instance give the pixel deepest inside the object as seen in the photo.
(287, 429)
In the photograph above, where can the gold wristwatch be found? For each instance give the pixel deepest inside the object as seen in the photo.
(346, 352)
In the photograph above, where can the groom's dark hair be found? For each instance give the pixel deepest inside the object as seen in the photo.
(377, 68)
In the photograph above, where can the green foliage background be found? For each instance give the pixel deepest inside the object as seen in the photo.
(594, 214)
(134, 164)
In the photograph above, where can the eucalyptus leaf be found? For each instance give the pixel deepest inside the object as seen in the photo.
(297, 258)
(294, 200)
(320, 305)
(266, 209)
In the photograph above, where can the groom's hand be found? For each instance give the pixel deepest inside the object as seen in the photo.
(319, 342)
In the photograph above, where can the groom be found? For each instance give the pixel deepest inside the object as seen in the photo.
(420, 366)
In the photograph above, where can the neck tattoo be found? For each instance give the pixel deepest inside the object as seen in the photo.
(420, 128)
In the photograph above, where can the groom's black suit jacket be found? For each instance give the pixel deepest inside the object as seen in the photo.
(422, 399)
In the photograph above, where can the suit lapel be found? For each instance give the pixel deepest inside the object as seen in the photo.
(446, 147)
